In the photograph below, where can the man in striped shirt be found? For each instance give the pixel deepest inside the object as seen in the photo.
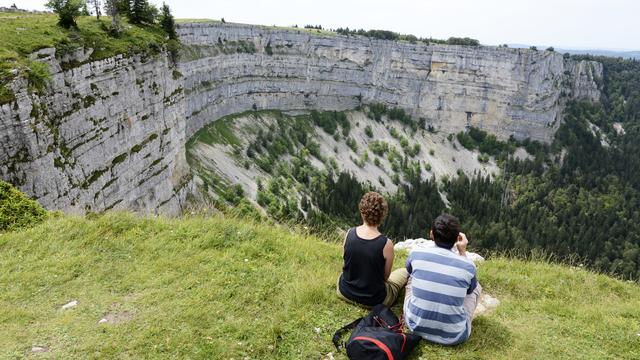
(443, 291)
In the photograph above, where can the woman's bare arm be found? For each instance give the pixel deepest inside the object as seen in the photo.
(388, 256)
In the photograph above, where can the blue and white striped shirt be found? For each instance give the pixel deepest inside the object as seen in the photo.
(440, 280)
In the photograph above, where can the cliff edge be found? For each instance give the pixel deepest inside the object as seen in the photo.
(230, 68)
(111, 133)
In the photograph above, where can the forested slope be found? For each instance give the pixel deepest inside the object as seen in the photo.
(577, 198)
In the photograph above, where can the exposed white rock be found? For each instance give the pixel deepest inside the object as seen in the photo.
(330, 356)
(486, 304)
(39, 349)
(107, 134)
(619, 128)
(70, 305)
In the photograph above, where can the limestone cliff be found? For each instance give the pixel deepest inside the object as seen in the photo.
(520, 92)
(107, 134)
(111, 134)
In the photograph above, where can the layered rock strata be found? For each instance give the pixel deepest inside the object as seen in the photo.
(231, 68)
(107, 134)
(111, 134)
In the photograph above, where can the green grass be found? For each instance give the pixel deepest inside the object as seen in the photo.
(275, 27)
(17, 210)
(226, 288)
(21, 34)
(188, 21)
(303, 29)
(218, 132)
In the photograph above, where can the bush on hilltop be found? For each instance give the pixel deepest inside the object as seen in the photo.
(17, 210)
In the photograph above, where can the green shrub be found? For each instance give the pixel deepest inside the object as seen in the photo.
(486, 143)
(376, 110)
(67, 10)
(368, 131)
(467, 141)
(17, 210)
(463, 41)
(329, 121)
(38, 75)
(352, 144)
(173, 47)
(379, 147)
(6, 95)
(267, 49)
(6, 76)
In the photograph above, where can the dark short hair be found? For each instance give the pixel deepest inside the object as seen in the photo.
(445, 230)
(373, 208)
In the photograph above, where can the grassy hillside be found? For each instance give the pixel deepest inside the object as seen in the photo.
(22, 33)
(227, 288)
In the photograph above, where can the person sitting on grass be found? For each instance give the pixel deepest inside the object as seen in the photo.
(442, 292)
(366, 277)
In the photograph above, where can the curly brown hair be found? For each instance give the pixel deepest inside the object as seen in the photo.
(373, 208)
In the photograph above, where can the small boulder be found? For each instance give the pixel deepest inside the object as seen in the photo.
(70, 305)
(39, 349)
(486, 304)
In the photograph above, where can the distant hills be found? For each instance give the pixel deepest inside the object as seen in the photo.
(627, 54)
(610, 53)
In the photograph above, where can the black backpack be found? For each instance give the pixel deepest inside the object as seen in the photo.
(376, 336)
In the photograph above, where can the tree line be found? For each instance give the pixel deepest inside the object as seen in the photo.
(139, 12)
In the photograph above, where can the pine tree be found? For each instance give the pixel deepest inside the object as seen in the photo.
(85, 10)
(137, 8)
(123, 7)
(167, 22)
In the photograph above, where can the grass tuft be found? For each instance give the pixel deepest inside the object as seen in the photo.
(17, 210)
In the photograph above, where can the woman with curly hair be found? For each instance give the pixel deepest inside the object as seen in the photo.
(366, 277)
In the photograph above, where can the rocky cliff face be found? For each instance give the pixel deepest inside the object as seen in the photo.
(520, 92)
(111, 134)
(108, 134)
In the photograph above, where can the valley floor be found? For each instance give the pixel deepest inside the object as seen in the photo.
(226, 288)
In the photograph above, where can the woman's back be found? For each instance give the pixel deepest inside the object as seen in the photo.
(362, 277)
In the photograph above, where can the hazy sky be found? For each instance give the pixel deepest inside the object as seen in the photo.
(603, 24)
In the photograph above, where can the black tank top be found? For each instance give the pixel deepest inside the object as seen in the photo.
(362, 278)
